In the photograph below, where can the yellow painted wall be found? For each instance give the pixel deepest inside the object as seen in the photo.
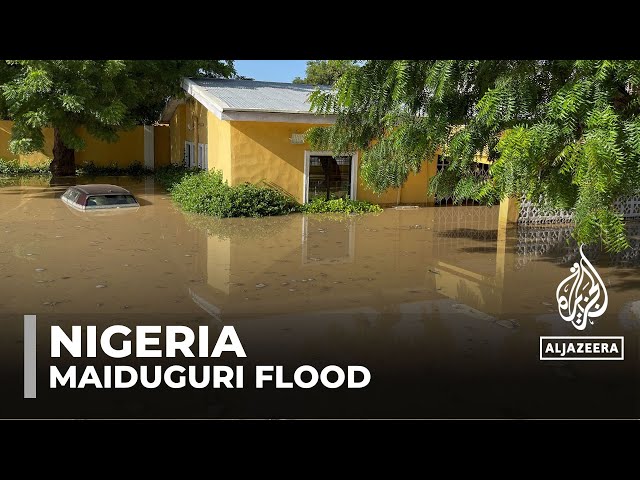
(196, 116)
(263, 151)
(127, 150)
(177, 134)
(414, 191)
(31, 159)
(219, 146)
(188, 124)
(161, 145)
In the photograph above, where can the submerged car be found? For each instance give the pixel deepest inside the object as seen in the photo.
(98, 197)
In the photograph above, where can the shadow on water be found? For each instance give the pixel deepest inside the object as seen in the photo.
(478, 250)
(476, 234)
(63, 181)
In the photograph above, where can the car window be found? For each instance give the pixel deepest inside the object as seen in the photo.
(71, 194)
(110, 200)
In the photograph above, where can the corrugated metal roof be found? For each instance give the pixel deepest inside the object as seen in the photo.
(257, 96)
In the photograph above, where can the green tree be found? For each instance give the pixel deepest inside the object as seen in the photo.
(325, 72)
(104, 96)
(564, 134)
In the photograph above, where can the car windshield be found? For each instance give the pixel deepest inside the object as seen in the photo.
(109, 200)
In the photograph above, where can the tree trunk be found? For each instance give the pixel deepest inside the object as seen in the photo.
(64, 158)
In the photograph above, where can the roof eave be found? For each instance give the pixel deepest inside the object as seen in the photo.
(256, 115)
(169, 109)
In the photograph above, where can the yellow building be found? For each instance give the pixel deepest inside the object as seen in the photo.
(254, 132)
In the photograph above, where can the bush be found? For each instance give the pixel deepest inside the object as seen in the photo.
(90, 169)
(203, 192)
(172, 174)
(247, 200)
(340, 205)
(14, 167)
(207, 193)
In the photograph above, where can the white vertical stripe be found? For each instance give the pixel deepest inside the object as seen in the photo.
(149, 151)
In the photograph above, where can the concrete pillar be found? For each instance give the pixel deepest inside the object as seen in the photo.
(509, 208)
(505, 246)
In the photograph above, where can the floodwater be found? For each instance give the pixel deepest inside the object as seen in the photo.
(442, 306)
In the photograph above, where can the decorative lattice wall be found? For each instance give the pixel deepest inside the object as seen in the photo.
(556, 242)
(533, 215)
(630, 207)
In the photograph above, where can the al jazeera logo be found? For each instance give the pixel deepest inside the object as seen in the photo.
(582, 298)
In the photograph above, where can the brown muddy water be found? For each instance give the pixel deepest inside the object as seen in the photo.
(445, 309)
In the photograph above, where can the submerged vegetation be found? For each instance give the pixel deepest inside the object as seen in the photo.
(14, 167)
(340, 205)
(90, 169)
(170, 175)
(209, 194)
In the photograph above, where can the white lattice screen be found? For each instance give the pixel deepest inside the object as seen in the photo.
(533, 215)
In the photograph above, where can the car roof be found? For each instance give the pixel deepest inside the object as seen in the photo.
(101, 189)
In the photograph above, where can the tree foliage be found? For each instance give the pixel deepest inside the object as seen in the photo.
(325, 72)
(104, 96)
(562, 133)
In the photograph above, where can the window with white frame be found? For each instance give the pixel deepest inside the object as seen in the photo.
(203, 157)
(326, 175)
(189, 154)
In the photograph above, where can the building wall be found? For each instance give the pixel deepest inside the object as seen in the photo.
(196, 122)
(189, 123)
(178, 134)
(262, 151)
(414, 191)
(128, 149)
(31, 159)
(161, 145)
(219, 146)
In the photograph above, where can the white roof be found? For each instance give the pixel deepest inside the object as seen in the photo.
(254, 95)
(247, 100)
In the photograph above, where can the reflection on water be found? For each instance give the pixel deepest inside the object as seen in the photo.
(557, 243)
(52, 255)
(401, 287)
